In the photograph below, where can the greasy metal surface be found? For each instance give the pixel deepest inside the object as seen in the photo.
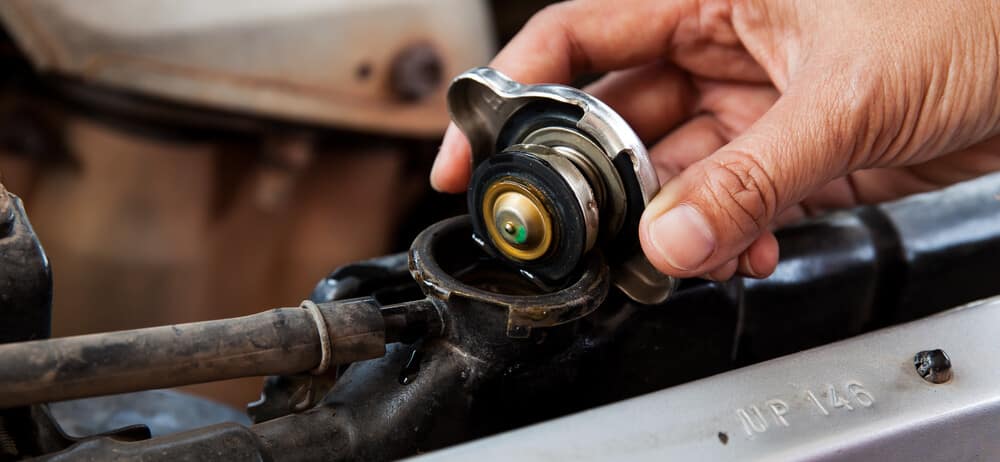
(385, 278)
(226, 441)
(283, 340)
(413, 399)
(280, 341)
(524, 312)
(854, 400)
(35, 432)
(366, 66)
(25, 314)
(355, 328)
(6, 213)
(474, 380)
(482, 100)
(163, 411)
(362, 278)
(25, 276)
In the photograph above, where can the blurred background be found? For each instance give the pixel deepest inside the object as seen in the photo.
(184, 160)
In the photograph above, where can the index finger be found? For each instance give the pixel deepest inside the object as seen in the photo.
(567, 39)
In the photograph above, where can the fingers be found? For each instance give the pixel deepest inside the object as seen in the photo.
(453, 163)
(763, 253)
(568, 38)
(883, 184)
(715, 209)
(880, 185)
(760, 259)
(728, 109)
(689, 143)
(652, 98)
(723, 272)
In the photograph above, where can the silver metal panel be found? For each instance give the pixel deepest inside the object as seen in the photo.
(859, 399)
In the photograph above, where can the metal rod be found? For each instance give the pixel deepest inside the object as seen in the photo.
(277, 342)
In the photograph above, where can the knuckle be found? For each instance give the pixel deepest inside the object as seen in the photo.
(743, 192)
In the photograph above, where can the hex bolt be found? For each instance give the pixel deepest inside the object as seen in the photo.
(415, 72)
(933, 365)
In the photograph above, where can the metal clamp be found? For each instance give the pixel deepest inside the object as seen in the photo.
(324, 337)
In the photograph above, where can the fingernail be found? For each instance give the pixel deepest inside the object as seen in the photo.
(683, 237)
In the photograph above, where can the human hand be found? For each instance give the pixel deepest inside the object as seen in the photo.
(758, 112)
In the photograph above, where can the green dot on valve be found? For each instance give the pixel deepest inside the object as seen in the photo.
(521, 236)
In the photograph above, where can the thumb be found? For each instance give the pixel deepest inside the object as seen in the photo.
(716, 208)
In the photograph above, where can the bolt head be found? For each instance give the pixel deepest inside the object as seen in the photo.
(933, 365)
(416, 72)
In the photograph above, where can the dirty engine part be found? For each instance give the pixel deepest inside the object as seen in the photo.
(841, 275)
(281, 341)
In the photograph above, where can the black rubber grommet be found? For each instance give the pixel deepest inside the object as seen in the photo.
(534, 116)
(626, 242)
(568, 223)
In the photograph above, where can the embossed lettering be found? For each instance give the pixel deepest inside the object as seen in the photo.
(779, 408)
(815, 401)
(862, 396)
(752, 419)
(836, 401)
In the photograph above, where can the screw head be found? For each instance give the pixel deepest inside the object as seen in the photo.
(416, 72)
(933, 365)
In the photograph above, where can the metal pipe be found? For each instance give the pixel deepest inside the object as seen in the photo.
(279, 341)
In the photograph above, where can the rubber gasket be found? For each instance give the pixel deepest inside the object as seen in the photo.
(626, 242)
(536, 115)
